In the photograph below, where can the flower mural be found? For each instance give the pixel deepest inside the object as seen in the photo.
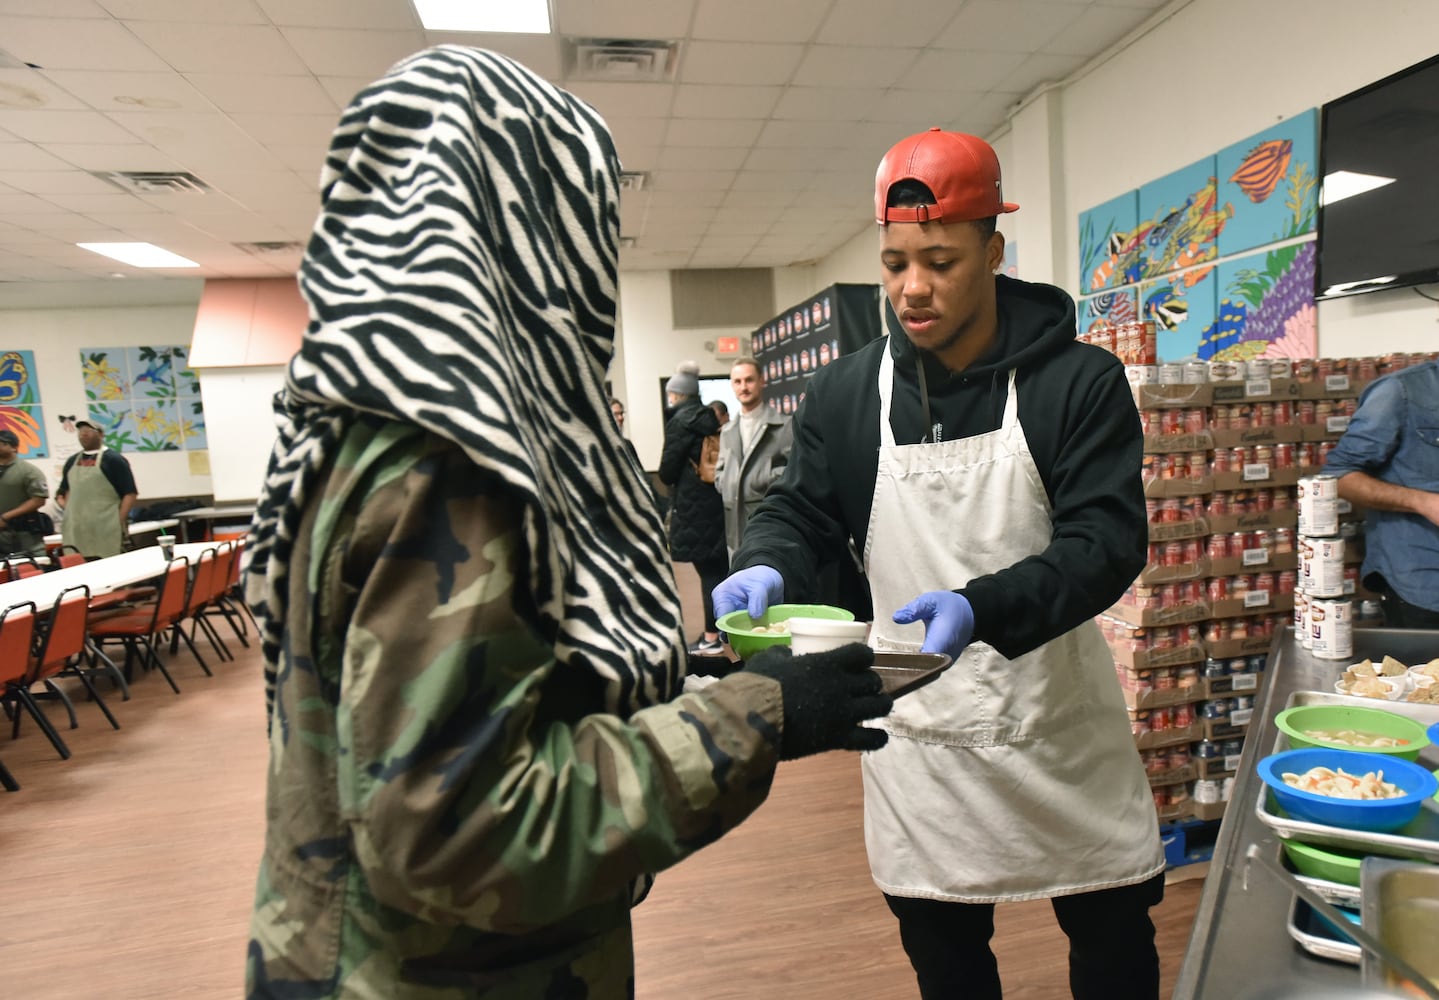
(20, 409)
(145, 399)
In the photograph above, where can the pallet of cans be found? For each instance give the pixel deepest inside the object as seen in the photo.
(1323, 615)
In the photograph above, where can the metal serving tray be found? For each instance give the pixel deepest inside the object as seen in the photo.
(1336, 893)
(1315, 937)
(1418, 839)
(906, 672)
(1401, 909)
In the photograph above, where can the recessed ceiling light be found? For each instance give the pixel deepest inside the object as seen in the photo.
(138, 254)
(516, 16)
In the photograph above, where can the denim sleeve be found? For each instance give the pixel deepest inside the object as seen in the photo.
(1374, 431)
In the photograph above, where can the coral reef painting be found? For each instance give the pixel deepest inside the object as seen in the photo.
(1109, 309)
(144, 398)
(1180, 220)
(1108, 255)
(20, 409)
(1271, 179)
(1266, 307)
(1182, 307)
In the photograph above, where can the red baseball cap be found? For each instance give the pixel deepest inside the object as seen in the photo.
(961, 170)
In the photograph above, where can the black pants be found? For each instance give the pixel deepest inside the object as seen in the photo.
(712, 573)
(1399, 613)
(1111, 944)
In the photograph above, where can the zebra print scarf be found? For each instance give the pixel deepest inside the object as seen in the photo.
(461, 276)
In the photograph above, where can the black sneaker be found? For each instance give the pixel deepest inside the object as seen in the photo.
(707, 647)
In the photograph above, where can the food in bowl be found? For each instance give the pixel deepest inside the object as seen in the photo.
(778, 628)
(1372, 686)
(1415, 784)
(1339, 784)
(747, 636)
(1375, 730)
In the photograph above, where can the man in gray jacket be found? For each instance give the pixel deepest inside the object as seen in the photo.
(753, 450)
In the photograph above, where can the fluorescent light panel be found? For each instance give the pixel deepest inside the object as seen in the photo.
(138, 254)
(515, 16)
(1345, 184)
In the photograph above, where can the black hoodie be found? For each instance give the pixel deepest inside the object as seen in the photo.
(1080, 423)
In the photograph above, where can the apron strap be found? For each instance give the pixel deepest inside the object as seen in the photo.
(886, 399)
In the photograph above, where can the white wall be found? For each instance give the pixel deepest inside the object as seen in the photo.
(57, 335)
(240, 442)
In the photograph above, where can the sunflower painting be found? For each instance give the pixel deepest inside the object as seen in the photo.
(145, 398)
(20, 409)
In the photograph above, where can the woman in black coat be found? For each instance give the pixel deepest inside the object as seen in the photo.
(696, 521)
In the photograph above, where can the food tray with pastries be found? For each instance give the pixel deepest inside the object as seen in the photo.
(1417, 839)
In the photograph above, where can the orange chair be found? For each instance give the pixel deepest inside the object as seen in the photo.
(140, 628)
(63, 647)
(229, 602)
(17, 633)
(21, 566)
(206, 597)
(202, 591)
(72, 557)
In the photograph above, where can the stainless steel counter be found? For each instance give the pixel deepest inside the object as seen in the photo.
(1239, 948)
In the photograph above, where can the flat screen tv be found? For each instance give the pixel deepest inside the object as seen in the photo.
(1379, 199)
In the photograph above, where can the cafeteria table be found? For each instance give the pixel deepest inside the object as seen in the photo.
(57, 538)
(100, 575)
(239, 512)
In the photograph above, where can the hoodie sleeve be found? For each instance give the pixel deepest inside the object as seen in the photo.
(1099, 538)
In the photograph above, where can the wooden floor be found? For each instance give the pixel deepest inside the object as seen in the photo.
(129, 871)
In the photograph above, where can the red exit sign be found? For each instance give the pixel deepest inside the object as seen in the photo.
(726, 345)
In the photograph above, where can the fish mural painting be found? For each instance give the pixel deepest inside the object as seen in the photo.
(1183, 309)
(1181, 218)
(1109, 309)
(1271, 179)
(1110, 245)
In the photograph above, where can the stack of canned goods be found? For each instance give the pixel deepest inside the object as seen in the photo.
(1323, 615)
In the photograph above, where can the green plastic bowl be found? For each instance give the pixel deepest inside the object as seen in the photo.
(1295, 722)
(1324, 862)
(745, 641)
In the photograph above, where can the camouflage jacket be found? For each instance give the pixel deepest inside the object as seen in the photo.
(448, 815)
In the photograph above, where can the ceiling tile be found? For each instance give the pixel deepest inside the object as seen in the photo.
(56, 8)
(1006, 25)
(304, 160)
(341, 13)
(202, 11)
(63, 126)
(13, 205)
(540, 54)
(91, 204)
(703, 101)
(713, 131)
(91, 156)
(200, 141)
(853, 66)
(856, 22)
(247, 186)
(685, 199)
(641, 158)
(133, 91)
(29, 89)
(633, 132)
(342, 89)
(45, 182)
(753, 179)
(623, 18)
(701, 158)
(367, 54)
(960, 71)
(288, 130)
(75, 43)
(759, 20)
(626, 100)
(1096, 29)
(827, 103)
(692, 180)
(733, 63)
(920, 105)
(228, 48)
(241, 93)
(787, 158)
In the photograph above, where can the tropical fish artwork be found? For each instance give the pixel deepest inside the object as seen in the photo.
(1166, 308)
(1186, 235)
(1262, 168)
(1110, 309)
(1228, 327)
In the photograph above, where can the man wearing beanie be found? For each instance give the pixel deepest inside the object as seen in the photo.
(696, 520)
(987, 465)
(23, 491)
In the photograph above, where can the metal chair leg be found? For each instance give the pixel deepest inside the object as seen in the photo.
(95, 695)
(64, 699)
(7, 779)
(49, 730)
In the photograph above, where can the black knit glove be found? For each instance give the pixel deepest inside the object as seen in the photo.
(826, 696)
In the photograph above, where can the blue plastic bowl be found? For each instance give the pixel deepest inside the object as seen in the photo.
(1352, 814)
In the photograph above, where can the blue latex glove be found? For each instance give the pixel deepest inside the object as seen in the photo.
(948, 621)
(753, 589)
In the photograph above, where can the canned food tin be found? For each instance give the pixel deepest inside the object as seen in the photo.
(1142, 374)
(1237, 665)
(1263, 500)
(1283, 413)
(1214, 667)
(1306, 456)
(1218, 547)
(1304, 412)
(1324, 568)
(1171, 421)
(1283, 540)
(1198, 464)
(1287, 580)
(1171, 374)
(1195, 373)
(1218, 588)
(1318, 498)
(1164, 679)
(1332, 629)
(1232, 748)
(1225, 371)
(1304, 369)
(1258, 368)
(1218, 708)
(1206, 749)
(1161, 797)
(1218, 504)
(1196, 420)
(1207, 791)
(1254, 664)
(1284, 456)
(1262, 414)
(1280, 498)
(1243, 701)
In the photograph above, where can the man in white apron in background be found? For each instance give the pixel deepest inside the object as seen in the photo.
(987, 465)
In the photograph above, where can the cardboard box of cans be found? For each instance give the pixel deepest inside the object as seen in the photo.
(1208, 810)
(1172, 776)
(1137, 656)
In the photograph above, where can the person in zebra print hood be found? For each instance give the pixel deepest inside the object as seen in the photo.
(478, 748)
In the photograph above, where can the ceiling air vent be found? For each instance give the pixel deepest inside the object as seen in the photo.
(263, 249)
(617, 60)
(155, 181)
(633, 180)
(627, 242)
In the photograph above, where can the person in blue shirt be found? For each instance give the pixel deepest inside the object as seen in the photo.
(1388, 463)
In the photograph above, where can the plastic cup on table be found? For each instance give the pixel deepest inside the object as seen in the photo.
(167, 546)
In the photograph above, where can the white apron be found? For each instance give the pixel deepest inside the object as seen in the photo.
(1004, 779)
